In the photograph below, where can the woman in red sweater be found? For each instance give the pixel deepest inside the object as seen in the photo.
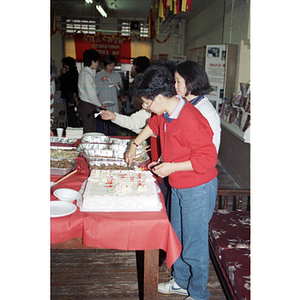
(189, 159)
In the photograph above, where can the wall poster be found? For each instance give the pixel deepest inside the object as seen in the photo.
(215, 68)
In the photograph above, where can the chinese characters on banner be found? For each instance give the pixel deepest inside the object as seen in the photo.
(105, 45)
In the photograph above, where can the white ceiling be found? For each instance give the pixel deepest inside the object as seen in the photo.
(121, 9)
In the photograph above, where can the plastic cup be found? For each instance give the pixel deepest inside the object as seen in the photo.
(59, 132)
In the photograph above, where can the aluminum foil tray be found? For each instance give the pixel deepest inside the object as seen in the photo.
(91, 146)
(98, 153)
(63, 152)
(63, 140)
(115, 141)
(94, 137)
(101, 159)
(97, 164)
(62, 171)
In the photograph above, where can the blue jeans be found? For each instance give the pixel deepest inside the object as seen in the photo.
(191, 211)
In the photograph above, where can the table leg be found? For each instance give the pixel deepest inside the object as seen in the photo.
(151, 263)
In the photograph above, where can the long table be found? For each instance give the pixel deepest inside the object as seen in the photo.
(148, 231)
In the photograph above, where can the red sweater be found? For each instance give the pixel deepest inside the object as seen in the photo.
(189, 137)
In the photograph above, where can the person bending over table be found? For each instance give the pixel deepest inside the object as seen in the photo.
(189, 159)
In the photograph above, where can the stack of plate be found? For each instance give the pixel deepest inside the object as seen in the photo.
(73, 132)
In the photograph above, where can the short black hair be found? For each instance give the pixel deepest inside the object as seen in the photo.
(141, 63)
(196, 79)
(89, 56)
(109, 59)
(156, 80)
(69, 61)
(171, 65)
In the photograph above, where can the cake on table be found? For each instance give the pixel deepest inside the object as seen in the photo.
(121, 190)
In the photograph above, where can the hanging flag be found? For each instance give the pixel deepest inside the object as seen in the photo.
(178, 6)
(183, 5)
(162, 10)
(170, 4)
(53, 25)
(154, 19)
(189, 5)
(175, 7)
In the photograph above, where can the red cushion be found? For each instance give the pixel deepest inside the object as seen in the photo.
(236, 263)
(228, 231)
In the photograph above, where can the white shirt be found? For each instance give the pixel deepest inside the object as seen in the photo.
(87, 86)
(211, 115)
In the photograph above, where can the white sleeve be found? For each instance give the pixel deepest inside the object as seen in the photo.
(136, 122)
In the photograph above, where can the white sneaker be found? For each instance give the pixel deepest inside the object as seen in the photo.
(171, 287)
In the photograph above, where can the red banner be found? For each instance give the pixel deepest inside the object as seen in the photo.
(105, 45)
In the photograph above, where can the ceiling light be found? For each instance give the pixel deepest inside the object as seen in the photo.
(89, 1)
(101, 11)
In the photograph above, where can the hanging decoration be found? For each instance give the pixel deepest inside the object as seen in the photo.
(109, 36)
(105, 45)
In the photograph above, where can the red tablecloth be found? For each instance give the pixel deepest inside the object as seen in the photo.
(115, 230)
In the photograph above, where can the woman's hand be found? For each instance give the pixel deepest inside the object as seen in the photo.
(108, 115)
(104, 78)
(130, 154)
(153, 164)
(161, 169)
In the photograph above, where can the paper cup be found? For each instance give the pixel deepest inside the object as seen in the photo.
(59, 132)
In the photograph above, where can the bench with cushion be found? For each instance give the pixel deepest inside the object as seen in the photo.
(229, 242)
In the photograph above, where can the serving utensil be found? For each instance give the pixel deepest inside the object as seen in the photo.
(97, 114)
(63, 178)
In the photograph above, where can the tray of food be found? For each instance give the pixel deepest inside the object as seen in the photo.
(109, 165)
(63, 141)
(100, 155)
(87, 146)
(61, 167)
(95, 137)
(63, 152)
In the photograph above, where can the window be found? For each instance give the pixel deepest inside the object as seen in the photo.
(125, 29)
(143, 30)
(88, 27)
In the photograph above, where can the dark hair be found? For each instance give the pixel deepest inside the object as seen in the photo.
(195, 77)
(69, 61)
(89, 56)
(109, 59)
(154, 81)
(141, 63)
(171, 65)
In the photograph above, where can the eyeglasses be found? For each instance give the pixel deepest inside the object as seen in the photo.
(146, 106)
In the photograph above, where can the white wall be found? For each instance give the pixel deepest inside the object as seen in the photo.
(174, 45)
(217, 24)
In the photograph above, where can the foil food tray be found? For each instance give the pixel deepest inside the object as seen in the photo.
(62, 171)
(64, 152)
(95, 137)
(86, 146)
(62, 141)
(97, 164)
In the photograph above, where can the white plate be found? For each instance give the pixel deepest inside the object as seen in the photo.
(61, 208)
